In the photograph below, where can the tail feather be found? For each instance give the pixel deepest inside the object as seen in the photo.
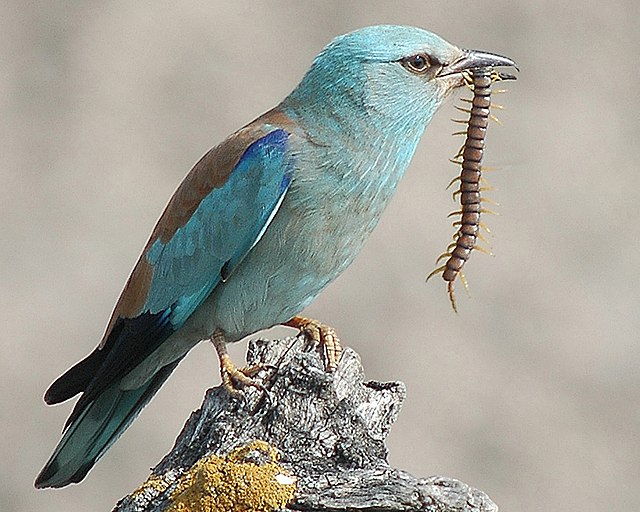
(75, 380)
(95, 429)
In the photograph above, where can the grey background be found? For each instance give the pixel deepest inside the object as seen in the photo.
(531, 393)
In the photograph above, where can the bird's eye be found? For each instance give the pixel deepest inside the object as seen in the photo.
(417, 63)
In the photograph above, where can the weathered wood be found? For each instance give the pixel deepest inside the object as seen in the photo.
(329, 430)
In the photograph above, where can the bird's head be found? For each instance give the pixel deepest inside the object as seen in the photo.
(387, 74)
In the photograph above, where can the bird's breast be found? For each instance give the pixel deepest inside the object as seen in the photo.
(334, 202)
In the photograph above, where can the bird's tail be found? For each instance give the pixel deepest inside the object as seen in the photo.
(95, 429)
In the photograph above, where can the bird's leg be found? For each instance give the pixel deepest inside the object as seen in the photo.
(321, 334)
(232, 376)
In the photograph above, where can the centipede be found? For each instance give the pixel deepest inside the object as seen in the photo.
(471, 182)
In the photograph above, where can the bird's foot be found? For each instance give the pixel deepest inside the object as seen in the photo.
(234, 378)
(321, 334)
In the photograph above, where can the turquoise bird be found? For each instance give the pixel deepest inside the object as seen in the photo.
(260, 226)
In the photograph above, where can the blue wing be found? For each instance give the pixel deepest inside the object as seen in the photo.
(214, 219)
(227, 223)
(219, 212)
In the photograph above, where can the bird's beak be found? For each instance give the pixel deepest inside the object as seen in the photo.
(472, 59)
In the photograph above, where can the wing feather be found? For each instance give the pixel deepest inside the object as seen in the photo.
(174, 275)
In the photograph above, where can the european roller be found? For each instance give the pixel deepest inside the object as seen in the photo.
(260, 226)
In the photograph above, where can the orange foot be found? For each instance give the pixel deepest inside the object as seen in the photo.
(233, 378)
(321, 334)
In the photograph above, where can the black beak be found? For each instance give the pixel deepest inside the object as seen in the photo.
(472, 59)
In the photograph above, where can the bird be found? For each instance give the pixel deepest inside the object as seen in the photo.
(261, 224)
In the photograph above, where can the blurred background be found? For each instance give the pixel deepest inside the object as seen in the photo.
(531, 393)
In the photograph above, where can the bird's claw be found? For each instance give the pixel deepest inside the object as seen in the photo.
(234, 378)
(321, 335)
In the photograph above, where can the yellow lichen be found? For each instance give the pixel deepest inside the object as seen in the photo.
(235, 484)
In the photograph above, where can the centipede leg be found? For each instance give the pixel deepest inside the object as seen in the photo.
(469, 157)
(452, 295)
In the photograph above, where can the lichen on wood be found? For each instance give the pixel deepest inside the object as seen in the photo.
(328, 430)
(248, 478)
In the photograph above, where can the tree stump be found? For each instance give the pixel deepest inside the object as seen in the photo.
(315, 442)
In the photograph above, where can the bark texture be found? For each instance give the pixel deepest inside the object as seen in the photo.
(328, 431)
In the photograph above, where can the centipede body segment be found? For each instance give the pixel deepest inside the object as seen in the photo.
(470, 189)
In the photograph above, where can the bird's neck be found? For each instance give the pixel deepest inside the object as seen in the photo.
(357, 137)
